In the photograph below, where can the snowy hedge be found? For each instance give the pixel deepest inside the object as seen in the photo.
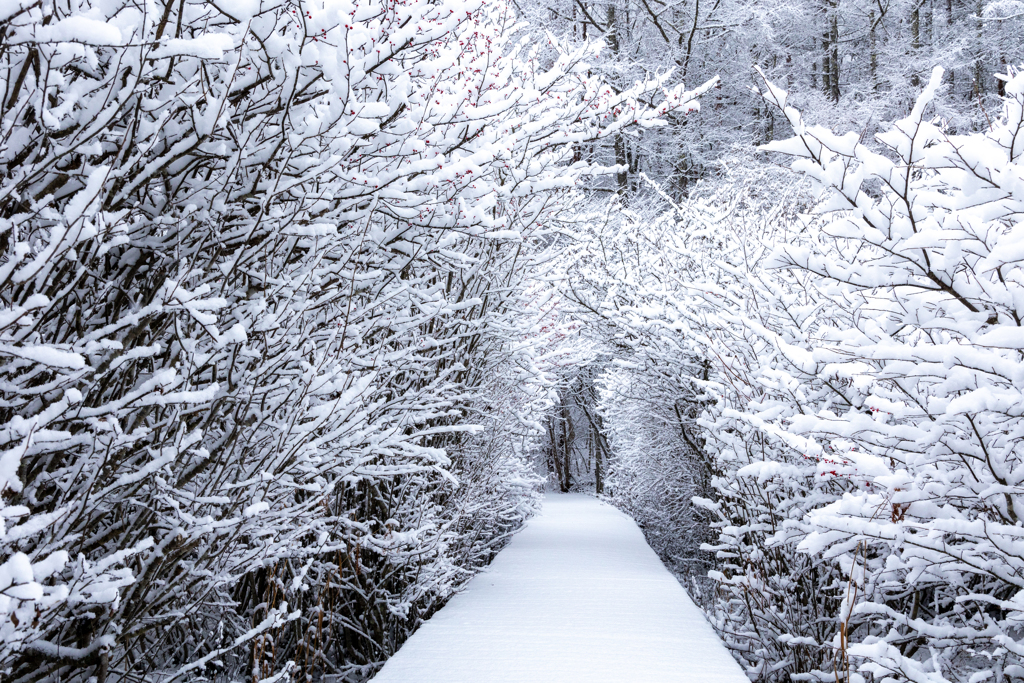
(921, 417)
(854, 384)
(263, 267)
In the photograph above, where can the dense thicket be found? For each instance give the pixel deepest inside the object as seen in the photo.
(270, 361)
(839, 393)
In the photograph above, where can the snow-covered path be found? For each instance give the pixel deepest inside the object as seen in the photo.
(578, 595)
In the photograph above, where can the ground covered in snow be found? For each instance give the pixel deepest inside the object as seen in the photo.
(578, 595)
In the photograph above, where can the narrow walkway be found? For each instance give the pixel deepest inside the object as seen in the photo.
(577, 596)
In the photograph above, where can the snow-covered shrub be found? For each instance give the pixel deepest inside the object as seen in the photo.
(922, 415)
(256, 259)
(773, 602)
(707, 344)
(857, 399)
(861, 415)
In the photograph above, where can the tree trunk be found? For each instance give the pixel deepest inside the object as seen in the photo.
(834, 56)
(915, 42)
(814, 65)
(620, 142)
(621, 160)
(873, 37)
(568, 438)
(826, 66)
(950, 78)
(979, 67)
(556, 459)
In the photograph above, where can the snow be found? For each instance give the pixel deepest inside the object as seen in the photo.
(578, 595)
(210, 46)
(79, 29)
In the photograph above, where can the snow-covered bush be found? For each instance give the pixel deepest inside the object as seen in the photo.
(772, 602)
(257, 259)
(855, 386)
(922, 417)
(859, 391)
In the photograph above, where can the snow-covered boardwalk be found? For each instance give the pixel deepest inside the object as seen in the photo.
(578, 595)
